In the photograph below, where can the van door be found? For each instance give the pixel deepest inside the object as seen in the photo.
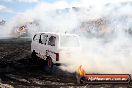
(43, 44)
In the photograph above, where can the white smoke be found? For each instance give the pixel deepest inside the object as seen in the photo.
(106, 51)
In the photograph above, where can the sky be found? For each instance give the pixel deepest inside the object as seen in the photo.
(8, 8)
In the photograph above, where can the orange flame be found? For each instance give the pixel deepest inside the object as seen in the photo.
(81, 71)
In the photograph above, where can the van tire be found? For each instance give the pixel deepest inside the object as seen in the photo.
(49, 65)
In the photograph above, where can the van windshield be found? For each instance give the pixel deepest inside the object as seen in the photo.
(69, 41)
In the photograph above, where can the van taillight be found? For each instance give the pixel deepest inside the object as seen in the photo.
(57, 56)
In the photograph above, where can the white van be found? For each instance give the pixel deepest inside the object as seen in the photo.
(54, 46)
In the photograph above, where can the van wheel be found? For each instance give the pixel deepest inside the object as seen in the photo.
(49, 65)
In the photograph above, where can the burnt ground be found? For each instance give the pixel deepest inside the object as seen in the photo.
(17, 70)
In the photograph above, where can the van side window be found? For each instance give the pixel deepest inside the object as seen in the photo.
(36, 38)
(52, 41)
(44, 38)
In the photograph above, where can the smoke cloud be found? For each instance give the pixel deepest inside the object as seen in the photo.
(104, 28)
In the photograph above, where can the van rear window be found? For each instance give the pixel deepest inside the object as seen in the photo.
(52, 41)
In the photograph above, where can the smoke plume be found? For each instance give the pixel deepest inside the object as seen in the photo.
(104, 27)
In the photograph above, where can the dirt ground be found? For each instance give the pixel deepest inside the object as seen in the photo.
(17, 71)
